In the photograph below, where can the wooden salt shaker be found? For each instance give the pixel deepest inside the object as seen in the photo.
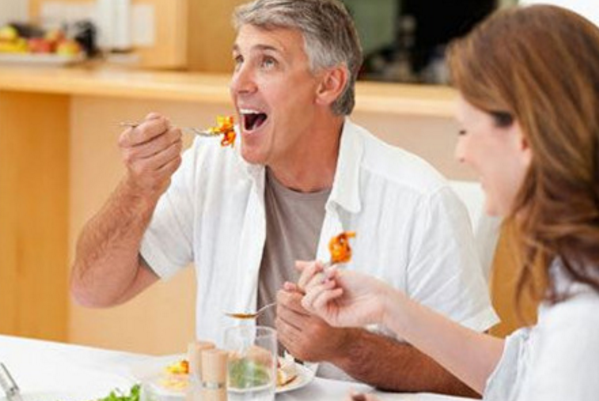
(194, 352)
(214, 375)
(194, 355)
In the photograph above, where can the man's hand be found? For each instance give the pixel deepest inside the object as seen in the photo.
(305, 336)
(152, 153)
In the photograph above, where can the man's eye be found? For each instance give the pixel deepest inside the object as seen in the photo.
(462, 132)
(237, 60)
(268, 62)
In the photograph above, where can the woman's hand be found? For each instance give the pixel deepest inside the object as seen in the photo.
(342, 298)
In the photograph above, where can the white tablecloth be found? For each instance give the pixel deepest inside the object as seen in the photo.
(41, 367)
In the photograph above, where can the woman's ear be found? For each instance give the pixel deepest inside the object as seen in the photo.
(522, 144)
(332, 85)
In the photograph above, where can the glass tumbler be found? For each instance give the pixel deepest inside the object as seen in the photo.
(252, 363)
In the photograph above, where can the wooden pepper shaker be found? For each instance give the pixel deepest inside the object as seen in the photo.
(194, 355)
(214, 375)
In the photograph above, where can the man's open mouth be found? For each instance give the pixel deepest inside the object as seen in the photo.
(252, 119)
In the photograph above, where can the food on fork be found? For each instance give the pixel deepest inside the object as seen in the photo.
(241, 315)
(224, 126)
(339, 247)
(244, 316)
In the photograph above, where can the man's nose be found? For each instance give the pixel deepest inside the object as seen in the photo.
(243, 81)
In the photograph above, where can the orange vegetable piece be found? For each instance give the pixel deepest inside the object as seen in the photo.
(225, 126)
(339, 247)
(228, 138)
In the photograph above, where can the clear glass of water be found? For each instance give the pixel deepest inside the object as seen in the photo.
(252, 363)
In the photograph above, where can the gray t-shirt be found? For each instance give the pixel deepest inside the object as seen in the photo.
(293, 225)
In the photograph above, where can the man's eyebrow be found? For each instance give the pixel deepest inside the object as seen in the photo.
(267, 47)
(259, 48)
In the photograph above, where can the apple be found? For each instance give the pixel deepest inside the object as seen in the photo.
(8, 33)
(55, 35)
(68, 47)
(41, 45)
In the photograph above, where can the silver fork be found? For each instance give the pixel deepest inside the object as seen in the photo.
(187, 130)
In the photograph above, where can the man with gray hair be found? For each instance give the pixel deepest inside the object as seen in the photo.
(303, 172)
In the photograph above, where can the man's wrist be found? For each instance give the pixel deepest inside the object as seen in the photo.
(343, 354)
(138, 197)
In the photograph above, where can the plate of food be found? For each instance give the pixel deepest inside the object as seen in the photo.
(169, 375)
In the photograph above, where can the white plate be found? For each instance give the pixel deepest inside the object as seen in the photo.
(152, 371)
(55, 60)
(304, 376)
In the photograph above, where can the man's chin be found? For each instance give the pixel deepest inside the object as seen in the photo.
(252, 157)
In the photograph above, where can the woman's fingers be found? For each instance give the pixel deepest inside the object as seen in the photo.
(319, 296)
(308, 273)
(323, 301)
(310, 296)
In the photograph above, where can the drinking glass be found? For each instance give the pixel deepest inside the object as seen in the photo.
(252, 363)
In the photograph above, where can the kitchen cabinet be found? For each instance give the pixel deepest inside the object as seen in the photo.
(34, 144)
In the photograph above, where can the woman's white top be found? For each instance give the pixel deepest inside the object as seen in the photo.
(556, 360)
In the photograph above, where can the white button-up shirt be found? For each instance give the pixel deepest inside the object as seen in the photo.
(412, 231)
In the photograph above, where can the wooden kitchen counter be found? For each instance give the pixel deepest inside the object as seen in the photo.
(392, 99)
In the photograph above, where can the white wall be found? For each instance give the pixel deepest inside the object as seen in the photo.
(13, 10)
(587, 8)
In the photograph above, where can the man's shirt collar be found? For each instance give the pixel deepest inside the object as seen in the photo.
(346, 189)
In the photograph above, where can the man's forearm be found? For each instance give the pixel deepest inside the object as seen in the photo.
(390, 365)
(107, 257)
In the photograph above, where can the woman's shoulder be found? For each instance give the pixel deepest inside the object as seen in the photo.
(561, 362)
(571, 323)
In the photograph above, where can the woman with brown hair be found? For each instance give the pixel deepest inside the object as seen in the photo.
(528, 80)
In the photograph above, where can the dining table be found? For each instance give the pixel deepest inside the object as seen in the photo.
(54, 371)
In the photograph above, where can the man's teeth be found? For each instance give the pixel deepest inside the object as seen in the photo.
(249, 111)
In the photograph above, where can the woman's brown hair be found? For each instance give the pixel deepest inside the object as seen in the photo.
(539, 66)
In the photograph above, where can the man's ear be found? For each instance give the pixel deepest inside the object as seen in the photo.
(332, 84)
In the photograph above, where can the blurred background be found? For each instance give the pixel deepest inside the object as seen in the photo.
(403, 40)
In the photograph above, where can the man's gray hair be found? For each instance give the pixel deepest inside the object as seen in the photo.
(330, 36)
